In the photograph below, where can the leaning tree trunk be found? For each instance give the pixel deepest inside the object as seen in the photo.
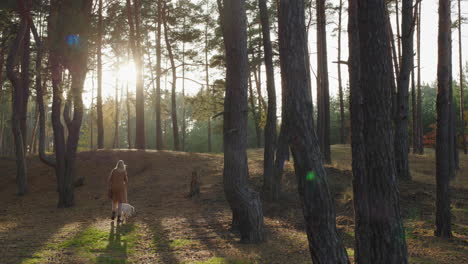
(323, 96)
(379, 234)
(325, 244)
(244, 201)
(175, 126)
(18, 95)
(269, 182)
(402, 114)
(460, 62)
(40, 96)
(443, 140)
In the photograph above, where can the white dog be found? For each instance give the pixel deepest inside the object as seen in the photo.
(127, 211)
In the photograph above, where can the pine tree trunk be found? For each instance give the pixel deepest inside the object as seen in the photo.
(17, 99)
(395, 65)
(254, 113)
(414, 112)
(244, 201)
(397, 14)
(420, 133)
(25, 83)
(325, 244)
(323, 96)
(159, 136)
(100, 121)
(379, 230)
(443, 140)
(340, 87)
(402, 115)
(135, 44)
(270, 185)
(175, 126)
(76, 63)
(129, 127)
(460, 61)
(40, 99)
(91, 115)
(115, 145)
(207, 81)
(183, 91)
(33, 132)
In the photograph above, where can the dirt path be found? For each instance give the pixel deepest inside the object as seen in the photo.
(169, 228)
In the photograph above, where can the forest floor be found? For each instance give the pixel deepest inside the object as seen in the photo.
(170, 228)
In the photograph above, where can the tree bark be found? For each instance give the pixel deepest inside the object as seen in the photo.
(443, 138)
(34, 130)
(116, 145)
(255, 116)
(183, 91)
(159, 136)
(100, 122)
(91, 115)
(340, 87)
(135, 44)
(270, 185)
(74, 57)
(379, 233)
(175, 126)
(395, 66)
(414, 111)
(397, 14)
(129, 127)
(325, 244)
(17, 100)
(323, 96)
(420, 134)
(460, 62)
(207, 78)
(40, 96)
(402, 115)
(244, 201)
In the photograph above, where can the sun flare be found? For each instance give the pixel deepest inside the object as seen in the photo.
(126, 71)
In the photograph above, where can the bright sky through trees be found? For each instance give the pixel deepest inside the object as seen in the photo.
(428, 57)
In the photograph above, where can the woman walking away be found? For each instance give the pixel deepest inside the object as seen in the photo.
(117, 192)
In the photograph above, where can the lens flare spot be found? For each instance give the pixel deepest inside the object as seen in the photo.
(73, 40)
(310, 176)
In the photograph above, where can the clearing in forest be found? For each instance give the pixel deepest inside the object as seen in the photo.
(170, 228)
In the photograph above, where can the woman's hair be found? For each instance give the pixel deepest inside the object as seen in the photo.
(120, 165)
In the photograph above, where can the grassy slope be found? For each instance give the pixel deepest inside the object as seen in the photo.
(172, 229)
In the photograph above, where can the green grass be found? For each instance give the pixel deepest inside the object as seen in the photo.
(91, 240)
(180, 243)
(94, 244)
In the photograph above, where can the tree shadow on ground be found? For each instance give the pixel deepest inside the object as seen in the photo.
(116, 250)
